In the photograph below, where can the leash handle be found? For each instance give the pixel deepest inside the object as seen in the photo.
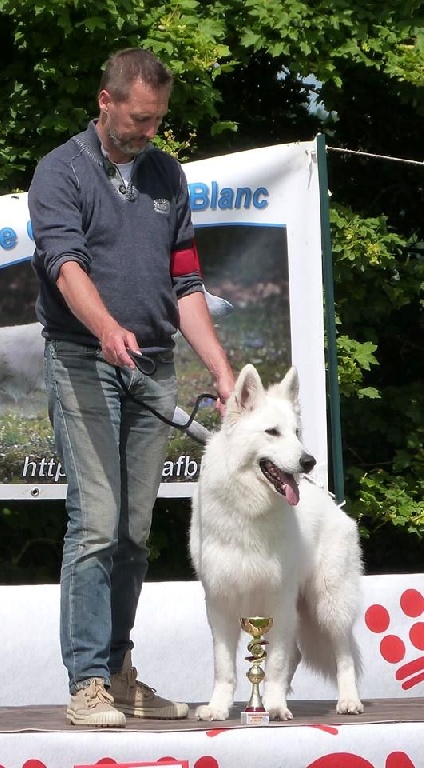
(145, 358)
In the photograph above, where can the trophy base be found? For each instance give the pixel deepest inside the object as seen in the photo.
(255, 717)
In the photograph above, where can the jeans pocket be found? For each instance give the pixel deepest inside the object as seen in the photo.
(69, 349)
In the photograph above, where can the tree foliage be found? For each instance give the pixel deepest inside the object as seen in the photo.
(381, 370)
(227, 55)
(242, 70)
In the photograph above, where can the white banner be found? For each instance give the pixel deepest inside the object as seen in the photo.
(257, 219)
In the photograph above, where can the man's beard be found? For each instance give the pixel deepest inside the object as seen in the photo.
(124, 145)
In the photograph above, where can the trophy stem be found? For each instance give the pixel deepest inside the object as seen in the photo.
(255, 702)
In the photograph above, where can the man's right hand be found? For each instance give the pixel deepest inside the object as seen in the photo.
(115, 341)
(84, 301)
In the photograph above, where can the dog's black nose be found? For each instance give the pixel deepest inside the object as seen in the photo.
(307, 462)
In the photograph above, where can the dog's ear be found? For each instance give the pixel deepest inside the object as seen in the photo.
(246, 395)
(288, 388)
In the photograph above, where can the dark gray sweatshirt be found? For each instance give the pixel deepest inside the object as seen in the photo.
(122, 237)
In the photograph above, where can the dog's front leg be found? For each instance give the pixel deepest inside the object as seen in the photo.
(283, 658)
(225, 634)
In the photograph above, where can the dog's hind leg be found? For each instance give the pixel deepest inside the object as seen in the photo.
(349, 702)
(295, 660)
(225, 630)
(331, 606)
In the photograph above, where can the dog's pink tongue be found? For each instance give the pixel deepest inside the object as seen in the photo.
(291, 490)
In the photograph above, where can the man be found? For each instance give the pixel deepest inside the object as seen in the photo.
(118, 271)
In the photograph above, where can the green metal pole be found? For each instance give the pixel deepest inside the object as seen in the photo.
(330, 323)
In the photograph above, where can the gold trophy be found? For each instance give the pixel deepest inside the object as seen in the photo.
(256, 626)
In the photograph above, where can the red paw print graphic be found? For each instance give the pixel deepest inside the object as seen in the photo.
(392, 647)
(349, 760)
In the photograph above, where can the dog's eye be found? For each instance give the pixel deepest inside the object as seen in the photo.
(273, 431)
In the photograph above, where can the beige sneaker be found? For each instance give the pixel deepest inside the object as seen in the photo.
(93, 706)
(137, 699)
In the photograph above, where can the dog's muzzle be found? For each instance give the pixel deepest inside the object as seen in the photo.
(284, 482)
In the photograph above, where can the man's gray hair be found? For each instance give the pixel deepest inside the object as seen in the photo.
(130, 64)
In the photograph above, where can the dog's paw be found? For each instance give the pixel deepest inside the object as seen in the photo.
(349, 707)
(280, 713)
(275, 703)
(206, 712)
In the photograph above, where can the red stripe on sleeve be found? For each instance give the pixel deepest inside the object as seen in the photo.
(185, 261)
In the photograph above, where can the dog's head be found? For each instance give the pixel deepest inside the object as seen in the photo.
(266, 423)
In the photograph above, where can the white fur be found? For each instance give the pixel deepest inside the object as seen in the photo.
(256, 555)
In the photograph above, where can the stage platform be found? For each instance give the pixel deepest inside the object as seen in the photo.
(390, 732)
(173, 653)
(311, 713)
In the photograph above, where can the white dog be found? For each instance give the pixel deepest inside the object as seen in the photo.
(266, 541)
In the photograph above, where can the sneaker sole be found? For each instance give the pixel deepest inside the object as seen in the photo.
(105, 720)
(166, 713)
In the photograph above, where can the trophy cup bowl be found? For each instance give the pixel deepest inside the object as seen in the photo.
(256, 626)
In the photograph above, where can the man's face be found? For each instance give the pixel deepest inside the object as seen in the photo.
(125, 127)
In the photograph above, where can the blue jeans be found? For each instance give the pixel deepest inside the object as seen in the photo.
(112, 451)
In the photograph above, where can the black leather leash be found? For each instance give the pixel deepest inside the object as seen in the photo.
(147, 365)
